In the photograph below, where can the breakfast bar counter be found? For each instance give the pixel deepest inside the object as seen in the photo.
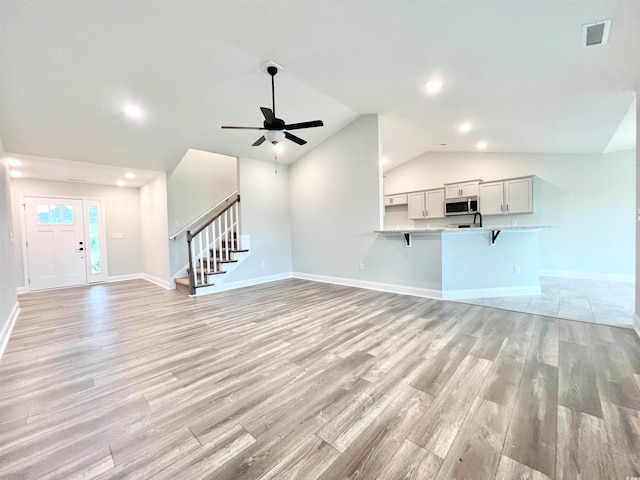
(473, 262)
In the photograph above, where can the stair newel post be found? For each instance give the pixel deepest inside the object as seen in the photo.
(192, 270)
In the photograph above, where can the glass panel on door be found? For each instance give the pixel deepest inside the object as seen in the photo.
(94, 239)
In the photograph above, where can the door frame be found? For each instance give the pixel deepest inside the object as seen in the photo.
(103, 235)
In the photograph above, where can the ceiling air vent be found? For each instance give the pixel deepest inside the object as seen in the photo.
(596, 33)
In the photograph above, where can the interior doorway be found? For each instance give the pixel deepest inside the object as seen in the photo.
(64, 242)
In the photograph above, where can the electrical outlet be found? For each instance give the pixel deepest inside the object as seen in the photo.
(261, 264)
(514, 223)
(361, 266)
(516, 269)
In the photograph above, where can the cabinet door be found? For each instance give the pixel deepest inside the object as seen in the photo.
(518, 195)
(491, 198)
(452, 191)
(469, 189)
(435, 203)
(416, 206)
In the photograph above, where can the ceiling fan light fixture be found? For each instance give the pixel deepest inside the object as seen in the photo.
(274, 136)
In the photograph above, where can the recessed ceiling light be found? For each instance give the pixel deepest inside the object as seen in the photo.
(433, 86)
(14, 162)
(130, 175)
(133, 111)
(482, 145)
(278, 147)
(16, 173)
(384, 161)
(120, 183)
(465, 127)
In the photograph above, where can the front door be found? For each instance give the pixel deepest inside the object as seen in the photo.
(55, 235)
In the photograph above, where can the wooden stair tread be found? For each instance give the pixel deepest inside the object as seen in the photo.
(185, 281)
(210, 272)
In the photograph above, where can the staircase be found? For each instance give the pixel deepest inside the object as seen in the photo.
(212, 247)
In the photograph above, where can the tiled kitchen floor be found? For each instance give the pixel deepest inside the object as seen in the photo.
(610, 303)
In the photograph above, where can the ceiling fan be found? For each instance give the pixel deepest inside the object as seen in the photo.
(276, 128)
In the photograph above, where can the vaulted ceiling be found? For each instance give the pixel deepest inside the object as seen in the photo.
(516, 70)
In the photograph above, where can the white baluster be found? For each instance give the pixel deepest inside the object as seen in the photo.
(201, 258)
(207, 246)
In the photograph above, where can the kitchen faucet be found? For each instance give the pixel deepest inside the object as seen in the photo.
(474, 218)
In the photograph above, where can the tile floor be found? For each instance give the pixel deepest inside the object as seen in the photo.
(596, 301)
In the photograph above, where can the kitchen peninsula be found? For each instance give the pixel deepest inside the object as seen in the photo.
(488, 261)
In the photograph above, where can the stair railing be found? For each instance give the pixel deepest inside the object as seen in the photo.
(213, 243)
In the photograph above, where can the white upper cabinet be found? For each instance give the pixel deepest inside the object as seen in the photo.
(399, 199)
(427, 204)
(492, 198)
(462, 189)
(507, 196)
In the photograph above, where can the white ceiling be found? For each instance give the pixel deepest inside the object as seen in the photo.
(516, 70)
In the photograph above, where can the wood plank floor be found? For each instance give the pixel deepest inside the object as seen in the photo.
(303, 380)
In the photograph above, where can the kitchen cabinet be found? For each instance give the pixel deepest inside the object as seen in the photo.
(506, 197)
(400, 199)
(426, 204)
(462, 189)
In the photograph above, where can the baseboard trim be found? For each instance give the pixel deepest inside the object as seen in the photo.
(123, 278)
(241, 284)
(21, 290)
(608, 277)
(8, 328)
(636, 324)
(490, 292)
(157, 281)
(381, 287)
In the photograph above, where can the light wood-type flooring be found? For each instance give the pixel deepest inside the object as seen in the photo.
(303, 380)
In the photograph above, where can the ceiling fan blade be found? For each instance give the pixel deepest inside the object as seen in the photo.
(297, 126)
(244, 128)
(294, 139)
(259, 141)
(268, 114)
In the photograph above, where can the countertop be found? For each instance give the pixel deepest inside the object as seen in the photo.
(486, 228)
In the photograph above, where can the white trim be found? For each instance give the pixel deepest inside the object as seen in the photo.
(122, 278)
(609, 277)
(423, 292)
(157, 281)
(636, 323)
(490, 292)
(241, 284)
(383, 287)
(8, 327)
(21, 290)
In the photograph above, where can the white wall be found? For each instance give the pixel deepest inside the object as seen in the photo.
(265, 217)
(637, 213)
(154, 230)
(589, 198)
(335, 209)
(335, 201)
(122, 212)
(200, 181)
(8, 280)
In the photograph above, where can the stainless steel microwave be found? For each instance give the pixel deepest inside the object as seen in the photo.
(461, 206)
